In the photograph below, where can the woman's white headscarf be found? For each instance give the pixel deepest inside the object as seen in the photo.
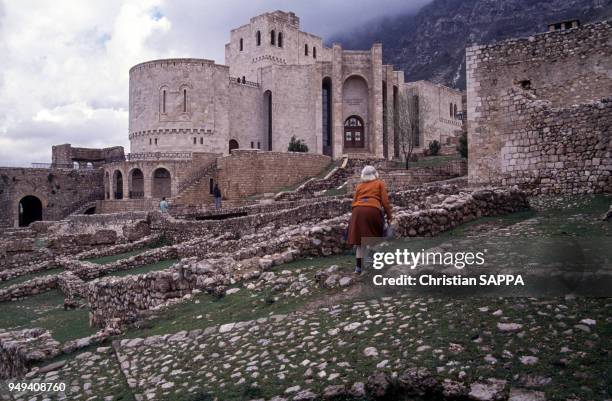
(369, 173)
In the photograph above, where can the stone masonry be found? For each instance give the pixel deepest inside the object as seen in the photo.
(537, 111)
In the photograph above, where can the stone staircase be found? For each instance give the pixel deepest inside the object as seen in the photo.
(196, 189)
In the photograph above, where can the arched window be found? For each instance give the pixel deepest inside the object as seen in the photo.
(314, 52)
(201, 140)
(272, 37)
(184, 100)
(241, 44)
(326, 96)
(211, 185)
(195, 140)
(258, 38)
(306, 50)
(280, 39)
(455, 111)
(164, 101)
(252, 145)
(450, 113)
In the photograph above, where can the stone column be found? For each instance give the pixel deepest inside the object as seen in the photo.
(376, 128)
(148, 181)
(337, 82)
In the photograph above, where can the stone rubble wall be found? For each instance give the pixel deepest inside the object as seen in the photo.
(20, 349)
(29, 288)
(559, 150)
(128, 298)
(536, 117)
(400, 180)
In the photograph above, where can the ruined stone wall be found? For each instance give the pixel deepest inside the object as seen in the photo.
(61, 191)
(250, 172)
(127, 298)
(400, 180)
(510, 133)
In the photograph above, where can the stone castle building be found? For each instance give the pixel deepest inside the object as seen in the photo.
(193, 123)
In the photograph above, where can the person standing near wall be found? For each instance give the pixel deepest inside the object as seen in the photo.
(217, 194)
(371, 200)
(163, 206)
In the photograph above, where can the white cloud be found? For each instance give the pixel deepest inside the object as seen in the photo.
(64, 64)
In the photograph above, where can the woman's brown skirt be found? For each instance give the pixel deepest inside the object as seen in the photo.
(366, 221)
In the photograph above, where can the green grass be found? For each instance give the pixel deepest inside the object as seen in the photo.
(26, 277)
(46, 310)
(204, 310)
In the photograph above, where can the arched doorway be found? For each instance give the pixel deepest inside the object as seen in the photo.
(355, 111)
(136, 184)
(30, 210)
(107, 185)
(268, 117)
(353, 133)
(162, 183)
(326, 96)
(233, 144)
(118, 184)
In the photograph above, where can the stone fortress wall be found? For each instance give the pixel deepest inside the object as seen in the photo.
(537, 113)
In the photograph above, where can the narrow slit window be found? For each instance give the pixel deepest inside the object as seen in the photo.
(201, 140)
(164, 101)
(280, 39)
(184, 100)
(241, 44)
(314, 52)
(258, 38)
(305, 50)
(273, 38)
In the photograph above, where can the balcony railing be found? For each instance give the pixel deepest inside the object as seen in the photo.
(244, 82)
(159, 155)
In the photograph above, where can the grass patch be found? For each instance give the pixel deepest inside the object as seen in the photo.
(26, 277)
(46, 310)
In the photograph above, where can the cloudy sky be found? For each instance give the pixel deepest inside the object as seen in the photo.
(64, 63)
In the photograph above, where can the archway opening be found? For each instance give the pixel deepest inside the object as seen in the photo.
(268, 117)
(118, 184)
(396, 150)
(162, 183)
(355, 111)
(30, 210)
(233, 144)
(136, 184)
(326, 95)
(385, 116)
(353, 133)
(91, 210)
(107, 185)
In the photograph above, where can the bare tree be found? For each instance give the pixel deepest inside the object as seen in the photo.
(409, 122)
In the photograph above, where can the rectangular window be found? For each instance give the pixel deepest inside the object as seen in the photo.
(252, 145)
(156, 141)
(258, 145)
(195, 140)
(201, 140)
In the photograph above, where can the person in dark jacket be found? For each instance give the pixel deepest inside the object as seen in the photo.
(217, 194)
(370, 200)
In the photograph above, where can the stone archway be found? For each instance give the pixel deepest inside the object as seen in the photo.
(162, 183)
(267, 108)
(30, 210)
(118, 184)
(233, 144)
(355, 111)
(136, 184)
(326, 123)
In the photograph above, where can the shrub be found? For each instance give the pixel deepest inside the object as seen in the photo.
(297, 145)
(434, 148)
(462, 146)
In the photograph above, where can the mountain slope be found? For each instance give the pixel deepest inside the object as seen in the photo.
(431, 44)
